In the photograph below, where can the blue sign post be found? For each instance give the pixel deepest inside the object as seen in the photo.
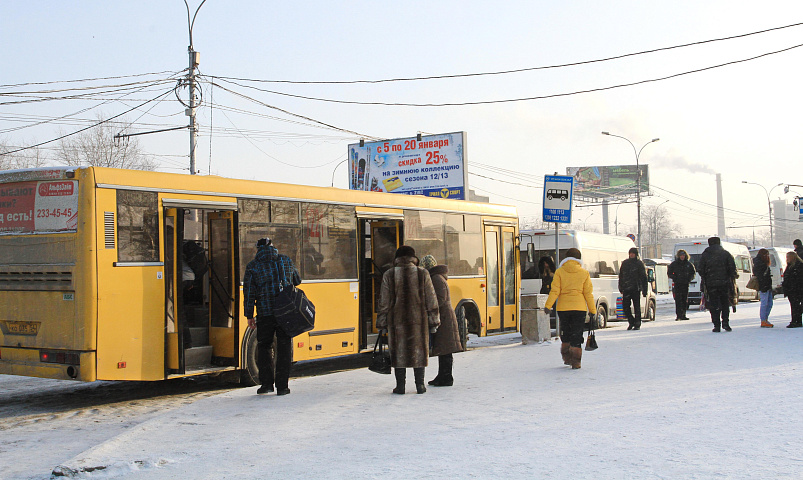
(558, 191)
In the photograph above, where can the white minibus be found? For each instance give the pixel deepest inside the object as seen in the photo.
(601, 255)
(744, 268)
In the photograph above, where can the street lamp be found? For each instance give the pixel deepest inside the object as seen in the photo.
(638, 182)
(769, 206)
(655, 226)
(335, 169)
(585, 228)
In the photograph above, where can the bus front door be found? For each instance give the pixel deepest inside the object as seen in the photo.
(223, 288)
(500, 258)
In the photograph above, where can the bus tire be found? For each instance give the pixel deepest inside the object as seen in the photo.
(601, 318)
(462, 326)
(249, 375)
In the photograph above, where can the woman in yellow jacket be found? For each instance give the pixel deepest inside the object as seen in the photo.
(572, 289)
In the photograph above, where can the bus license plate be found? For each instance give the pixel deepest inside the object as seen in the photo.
(23, 328)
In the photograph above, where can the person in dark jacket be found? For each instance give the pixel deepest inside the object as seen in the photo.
(446, 340)
(408, 310)
(717, 271)
(632, 281)
(798, 246)
(682, 272)
(793, 288)
(264, 276)
(547, 268)
(763, 273)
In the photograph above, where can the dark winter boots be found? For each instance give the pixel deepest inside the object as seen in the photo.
(401, 376)
(716, 327)
(419, 380)
(444, 377)
(575, 354)
(564, 352)
(726, 325)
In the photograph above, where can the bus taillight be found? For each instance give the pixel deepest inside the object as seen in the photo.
(59, 356)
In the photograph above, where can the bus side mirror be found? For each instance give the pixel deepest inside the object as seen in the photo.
(530, 253)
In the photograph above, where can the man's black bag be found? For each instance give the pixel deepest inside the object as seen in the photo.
(294, 313)
(380, 361)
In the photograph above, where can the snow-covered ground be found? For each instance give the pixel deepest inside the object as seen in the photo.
(673, 400)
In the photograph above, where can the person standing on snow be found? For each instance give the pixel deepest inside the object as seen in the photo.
(264, 276)
(682, 272)
(763, 273)
(793, 288)
(717, 270)
(446, 340)
(632, 280)
(408, 310)
(574, 294)
(798, 246)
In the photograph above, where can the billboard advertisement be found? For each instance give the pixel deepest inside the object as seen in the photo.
(608, 181)
(39, 206)
(433, 166)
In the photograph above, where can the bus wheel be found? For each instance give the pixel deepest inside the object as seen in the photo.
(462, 326)
(650, 317)
(601, 318)
(249, 375)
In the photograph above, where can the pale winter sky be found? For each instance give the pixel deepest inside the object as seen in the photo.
(741, 120)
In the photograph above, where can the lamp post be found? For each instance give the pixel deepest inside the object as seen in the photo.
(769, 206)
(335, 169)
(585, 227)
(638, 183)
(655, 227)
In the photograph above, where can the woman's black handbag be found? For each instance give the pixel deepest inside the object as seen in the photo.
(380, 361)
(591, 341)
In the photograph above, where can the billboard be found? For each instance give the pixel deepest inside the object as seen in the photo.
(46, 206)
(608, 181)
(433, 166)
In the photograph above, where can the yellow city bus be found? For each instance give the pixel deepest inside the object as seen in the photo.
(111, 274)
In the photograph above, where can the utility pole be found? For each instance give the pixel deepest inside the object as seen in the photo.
(193, 102)
(194, 56)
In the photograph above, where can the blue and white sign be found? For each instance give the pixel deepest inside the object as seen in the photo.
(558, 198)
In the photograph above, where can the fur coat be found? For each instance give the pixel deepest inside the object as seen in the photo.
(447, 339)
(408, 309)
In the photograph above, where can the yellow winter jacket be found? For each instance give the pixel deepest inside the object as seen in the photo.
(572, 288)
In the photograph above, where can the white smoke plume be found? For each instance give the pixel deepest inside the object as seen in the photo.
(680, 163)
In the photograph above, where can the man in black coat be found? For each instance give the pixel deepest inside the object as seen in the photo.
(681, 271)
(718, 271)
(798, 246)
(632, 280)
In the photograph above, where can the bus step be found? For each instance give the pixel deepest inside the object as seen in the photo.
(198, 356)
(199, 336)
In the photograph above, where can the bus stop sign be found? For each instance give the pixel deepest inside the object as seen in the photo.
(558, 198)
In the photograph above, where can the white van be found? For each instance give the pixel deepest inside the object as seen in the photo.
(602, 255)
(777, 265)
(744, 268)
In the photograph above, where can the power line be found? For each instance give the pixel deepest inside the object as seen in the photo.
(521, 99)
(87, 128)
(519, 70)
(89, 79)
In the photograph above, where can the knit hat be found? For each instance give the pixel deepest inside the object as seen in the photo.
(713, 241)
(428, 262)
(405, 251)
(633, 250)
(263, 241)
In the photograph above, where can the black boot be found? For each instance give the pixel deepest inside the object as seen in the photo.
(444, 378)
(716, 327)
(401, 376)
(419, 380)
(726, 325)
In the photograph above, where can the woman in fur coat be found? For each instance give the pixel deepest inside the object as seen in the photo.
(446, 340)
(408, 310)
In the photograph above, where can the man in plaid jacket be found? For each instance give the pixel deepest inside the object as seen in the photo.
(264, 276)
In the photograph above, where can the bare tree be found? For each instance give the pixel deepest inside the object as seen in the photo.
(29, 158)
(656, 224)
(99, 147)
